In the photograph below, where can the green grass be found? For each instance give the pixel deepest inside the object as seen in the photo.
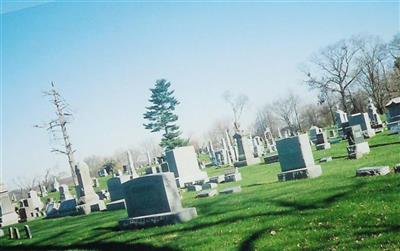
(336, 211)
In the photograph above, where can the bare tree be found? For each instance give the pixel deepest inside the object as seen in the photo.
(373, 78)
(336, 69)
(237, 103)
(266, 118)
(58, 126)
(217, 131)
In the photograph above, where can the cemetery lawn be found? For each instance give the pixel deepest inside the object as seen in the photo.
(332, 212)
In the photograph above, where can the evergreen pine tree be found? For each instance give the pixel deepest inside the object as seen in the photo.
(161, 115)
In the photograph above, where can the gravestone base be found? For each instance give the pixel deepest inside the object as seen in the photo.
(87, 208)
(116, 205)
(229, 190)
(217, 179)
(233, 177)
(372, 171)
(240, 163)
(9, 219)
(209, 186)
(303, 173)
(358, 150)
(159, 219)
(207, 193)
(369, 133)
(325, 159)
(194, 188)
(323, 146)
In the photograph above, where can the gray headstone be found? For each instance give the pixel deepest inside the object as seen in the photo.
(64, 192)
(296, 158)
(154, 200)
(8, 216)
(28, 232)
(363, 120)
(114, 186)
(16, 233)
(10, 233)
(182, 161)
(245, 149)
(207, 193)
(236, 189)
(1, 233)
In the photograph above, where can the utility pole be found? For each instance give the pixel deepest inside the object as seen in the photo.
(60, 123)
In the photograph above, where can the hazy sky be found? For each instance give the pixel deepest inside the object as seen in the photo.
(104, 57)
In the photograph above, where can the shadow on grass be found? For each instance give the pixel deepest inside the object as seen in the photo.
(100, 246)
(385, 144)
(339, 157)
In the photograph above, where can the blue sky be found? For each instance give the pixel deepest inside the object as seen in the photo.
(104, 57)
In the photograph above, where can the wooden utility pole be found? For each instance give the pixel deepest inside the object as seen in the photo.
(61, 123)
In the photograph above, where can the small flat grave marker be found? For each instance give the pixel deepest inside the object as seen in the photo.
(236, 189)
(372, 171)
(207, 193)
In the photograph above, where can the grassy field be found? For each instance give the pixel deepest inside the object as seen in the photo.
(336, 211)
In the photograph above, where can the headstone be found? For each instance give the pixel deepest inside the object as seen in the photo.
(8, 216)
(217, 179)
(67, 207)
(11, 233)
(28, 232)
(34, 200)
(1, 233)
(114, 186)
(341, 119)
(225, 153)
(258, 147)
(236, 189)
(154, 200)
(102, 173)
(363, 120)
(211, 153)
(373, 115)
(372, 171)
(182, 161)
(64, 192)
(207, 186)
(131, 167)
(269, 159)
(207, 193)
(245, 150)
(314, 130)
(52, 209)
(296, 159)
(116, 205)
(54, 185)
(269, 141)
(148, 159)
(393, 115)
(194, 188)
(88, 201)
(95, 182)
(43, 190)
(229, 145)
(322, 141)
(16, 233)
(357, 146)
(232, 175)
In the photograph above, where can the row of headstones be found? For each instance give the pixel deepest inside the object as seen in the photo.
(371, 122)
(87, 200)
(13, 233)
(242, 150)
(208, 187)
